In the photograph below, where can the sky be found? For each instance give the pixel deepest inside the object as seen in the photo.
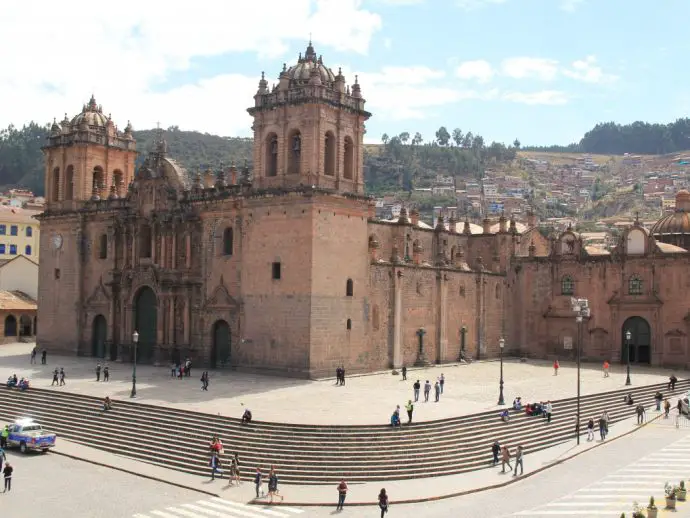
(541, 71)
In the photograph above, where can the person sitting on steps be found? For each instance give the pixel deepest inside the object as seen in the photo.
(107, 404)
(629, 399)
(247, 416)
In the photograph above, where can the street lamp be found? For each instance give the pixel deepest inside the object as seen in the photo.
(135, 340)
(628, 337)
(501, 345)
(581, 309)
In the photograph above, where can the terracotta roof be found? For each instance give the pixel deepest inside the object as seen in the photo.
(16, 301)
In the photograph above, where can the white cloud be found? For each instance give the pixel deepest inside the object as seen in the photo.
(479, 69)
(549, 97)
(588, 71)
(125, 54)
(526, 67)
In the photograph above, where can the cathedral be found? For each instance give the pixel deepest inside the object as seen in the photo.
(284, 269)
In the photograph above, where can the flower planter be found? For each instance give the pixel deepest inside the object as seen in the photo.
(670, 503)
(652, 513)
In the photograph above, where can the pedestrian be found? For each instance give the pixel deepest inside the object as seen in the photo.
(258, 479)
(62, 376)
(658, 397)
(3, 457)
(3, 437)
(55, 378)
(548, 409)
(590, 429)
(604, 425)
(7, 473)
(98, 372)
(416, 388)
(667, 408)
(518, 460)
(505, 459)
(495, 450)
(342, 493)
(679, 406)
(44, 357)
(606, 368)
(437, 391)
(204, 381)
(404, 373)
(234, 469)
(106, 373)
(215, 466)
(188, 367)
(273, 486)
(672, 380)
(33, 355)
(383, 502)
(173, 369)
(427, 390)
(442, 381)
(639, 409)
(409, 407)
(556, 366)
(342, 375)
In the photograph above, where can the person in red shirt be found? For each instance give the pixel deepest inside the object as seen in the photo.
(606, 368)
(555, 368)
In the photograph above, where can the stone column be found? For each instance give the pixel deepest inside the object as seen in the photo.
(397, 319)
(442, 329)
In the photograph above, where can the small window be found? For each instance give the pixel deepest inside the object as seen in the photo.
(227, 241)
(29, 231)
(349, 288)
(635, 285)
(57, 273)
(103, 246)
(275, 270)
(27, 250)
(349, 324)
(2, 250)
(14, 230)
(145, 242)
(3, 230)
(13, 249)
(567, 285)
(498, 291)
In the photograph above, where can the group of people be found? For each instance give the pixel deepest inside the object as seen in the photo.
(181, 370)
(438, 389)
(58, 377)
(340, 376)
(342, 494)
(505, 456)
(44, 355)
(22, 383)
(105, 370)
(532, 409)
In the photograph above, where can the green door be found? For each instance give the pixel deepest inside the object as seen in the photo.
(220, 353)
(146, 323)
(99, 334)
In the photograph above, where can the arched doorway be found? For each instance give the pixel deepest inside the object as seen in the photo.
(10, 325)
(220, 351)
(25, 325)
(146, 322)
(640, 345)
(99, 335)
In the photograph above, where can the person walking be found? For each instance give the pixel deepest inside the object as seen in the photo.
(215, 466)
(603, 426)
(505, 459)
(667, 408)
(606, 368)
(495, 450)
(55, 378)
(3, 437)
(342, 493)
(273, 486)
(437, 391)
(590, 429)
(106, 373)
(44, 357)
(441, 382)
(639, 410)
(33, 355)
(556, 366)
(383, 502)
(7, 473)
(258, 479)
(404, 373)
(416, 388)
(548, 409)
(410, 408)
(234, 470)
(427, 390)
(658, 398)
(98, 372)
(62, 376)
(518, 460)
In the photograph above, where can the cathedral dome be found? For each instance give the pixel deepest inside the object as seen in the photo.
(678, 222)
(91, 115)
(302, 71)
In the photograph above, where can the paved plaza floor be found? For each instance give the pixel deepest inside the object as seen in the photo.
(365, 399)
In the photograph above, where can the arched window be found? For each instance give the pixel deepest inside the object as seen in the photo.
(567, 285)
(55, 195)
(29, 232)
(145, 241)
(103, 246)
(227, 241)
(349, 160)
(294, 152)
(271, 166)
(98, 181)
(635, 285)
(69, 183)
(118, 179)
(349, 288)
(349, 324)
(27, 250)
(329, 154)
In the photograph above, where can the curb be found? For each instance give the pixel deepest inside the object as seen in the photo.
(474, 490)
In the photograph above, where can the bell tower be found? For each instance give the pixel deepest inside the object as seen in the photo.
(309, 128)
(87, 158)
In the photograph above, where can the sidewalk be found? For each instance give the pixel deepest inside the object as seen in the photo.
(469, 388)
(418, 490)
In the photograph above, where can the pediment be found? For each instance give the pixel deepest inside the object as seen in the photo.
(221, 298)
(675, 332)
(100, 295)
(651, 299)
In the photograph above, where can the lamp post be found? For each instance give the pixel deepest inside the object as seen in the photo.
(501, 345)
(135, 340)
(628, 337)
(581, 309)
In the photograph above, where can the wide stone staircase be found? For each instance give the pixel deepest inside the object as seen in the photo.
(309, 454)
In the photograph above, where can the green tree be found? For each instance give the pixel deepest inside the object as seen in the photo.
(404, 137)
(516, 144)
(417, 139)
(457, 136)
(442, 136)
(385, 138)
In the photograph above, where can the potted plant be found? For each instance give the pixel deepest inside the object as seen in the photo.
(637, 511)
(682, 492)
(671, 493)
(652, 511)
